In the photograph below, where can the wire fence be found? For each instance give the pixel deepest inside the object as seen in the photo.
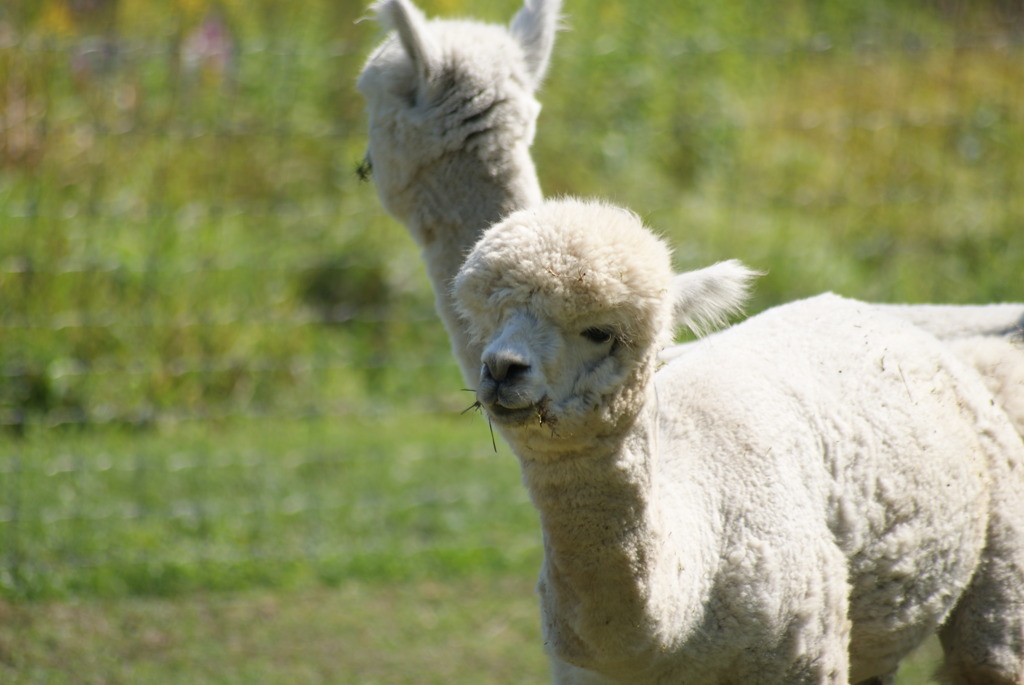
(219, 361)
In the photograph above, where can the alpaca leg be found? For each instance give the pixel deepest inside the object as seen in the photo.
(984, 636)
(829, 667)
(816, 651)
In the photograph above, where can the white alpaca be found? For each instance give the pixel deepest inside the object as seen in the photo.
(801, 498)
(452, 114)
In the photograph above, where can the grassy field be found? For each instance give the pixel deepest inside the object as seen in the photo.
(261, 503)
(436, 632)
(231, 447)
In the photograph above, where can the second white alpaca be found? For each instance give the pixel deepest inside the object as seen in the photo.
(452, 114)
(801, 498)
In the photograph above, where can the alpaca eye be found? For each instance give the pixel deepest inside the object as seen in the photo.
(597, 335)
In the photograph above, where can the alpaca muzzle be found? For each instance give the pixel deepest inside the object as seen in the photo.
(505, 386)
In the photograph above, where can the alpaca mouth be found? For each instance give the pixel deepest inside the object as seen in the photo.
(507, 403)
(511, 416)
(535, 414)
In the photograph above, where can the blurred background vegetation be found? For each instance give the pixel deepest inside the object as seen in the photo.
(219, 363)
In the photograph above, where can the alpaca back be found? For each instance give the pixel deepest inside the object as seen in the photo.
(1000, 361)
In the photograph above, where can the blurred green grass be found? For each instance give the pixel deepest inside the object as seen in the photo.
(258, 503)
(219, 363)
(190, 236)
(482, 630)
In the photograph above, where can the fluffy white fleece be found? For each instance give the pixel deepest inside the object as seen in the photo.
(801, 498)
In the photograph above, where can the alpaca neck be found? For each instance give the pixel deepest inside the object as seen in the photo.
(615, 575)
(450, 208)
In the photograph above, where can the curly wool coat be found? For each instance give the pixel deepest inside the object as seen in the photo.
(801, 498)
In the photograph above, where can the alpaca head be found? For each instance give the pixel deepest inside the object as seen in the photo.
(451, 100)
(571, 302)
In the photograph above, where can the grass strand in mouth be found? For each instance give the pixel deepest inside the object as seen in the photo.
(478, 407)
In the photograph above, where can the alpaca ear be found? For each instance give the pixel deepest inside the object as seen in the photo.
(704, 299)
(411, 26)
(534, 28)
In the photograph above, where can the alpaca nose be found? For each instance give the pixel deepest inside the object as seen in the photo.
(504, 367)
